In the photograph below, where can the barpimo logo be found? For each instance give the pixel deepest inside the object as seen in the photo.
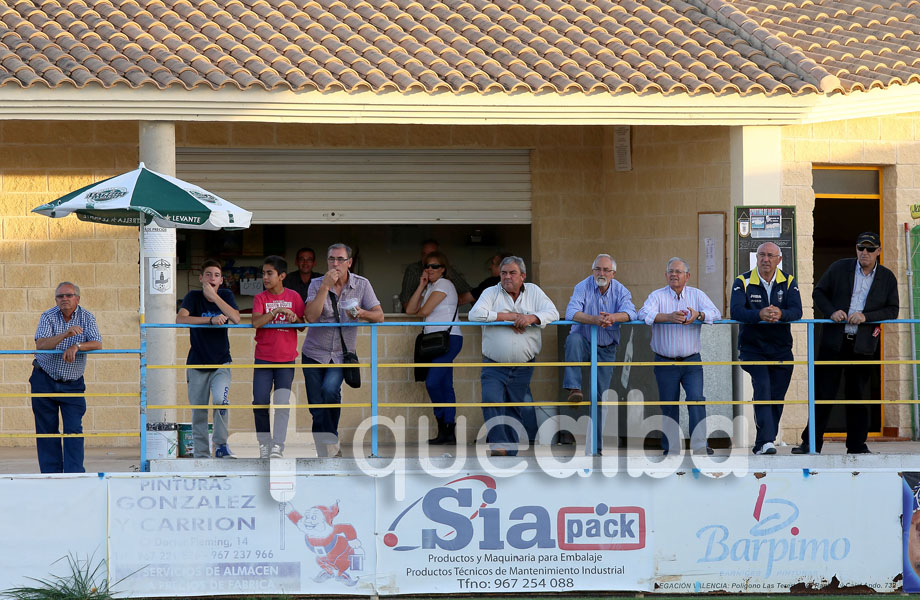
(466, 511)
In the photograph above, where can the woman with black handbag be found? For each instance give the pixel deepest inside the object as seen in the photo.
(435, 299)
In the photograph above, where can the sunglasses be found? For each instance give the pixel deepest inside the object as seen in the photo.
(434, 266)
(868, 249)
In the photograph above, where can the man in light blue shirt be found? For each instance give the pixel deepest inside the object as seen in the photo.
(598, 300)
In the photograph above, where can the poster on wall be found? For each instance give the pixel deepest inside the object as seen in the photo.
(203, 536)
(484, 534)
(910, 506)
(45, 521)
(755, 225)
(779, 532)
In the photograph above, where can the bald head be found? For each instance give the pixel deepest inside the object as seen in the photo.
(769, 256)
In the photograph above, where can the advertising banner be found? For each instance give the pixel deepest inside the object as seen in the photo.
(527, 533)
(46, 521)
(778, 530)
(910, 507)
(186, 535)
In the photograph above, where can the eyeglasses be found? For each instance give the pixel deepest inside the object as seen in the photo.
(675, 272)
(869, 249)
(600, 270)
(337, 259)
(766, 255)
(434, 266)
(62, 296)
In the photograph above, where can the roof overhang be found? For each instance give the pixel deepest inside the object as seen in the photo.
(225, 105)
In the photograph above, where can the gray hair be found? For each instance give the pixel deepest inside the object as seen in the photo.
(779, 250)
(340, 246)
(600, 256)
(675, 259)
(76, 288)
(516, 260)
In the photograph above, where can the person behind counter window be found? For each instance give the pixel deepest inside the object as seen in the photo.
(435, 299)
(323, 345)
(276, 306)
(414, 272)
(71, 328)
(211, 305)
(300, 281)
(494, 266)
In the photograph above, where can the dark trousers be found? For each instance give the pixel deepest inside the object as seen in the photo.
(770, 382)
(440, 382)
(856, 380)
(501, 385)
(324, 386)
(58, 455)
(262, 382)
(670, 379)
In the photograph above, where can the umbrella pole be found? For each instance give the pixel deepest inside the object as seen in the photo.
(145, 465)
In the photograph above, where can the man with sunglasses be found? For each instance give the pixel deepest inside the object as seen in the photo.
(602, 301)
(766, 294)
(70, 328)
(854, 293)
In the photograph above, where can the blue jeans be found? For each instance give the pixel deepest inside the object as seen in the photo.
(770, 382)
(440, 382)
(670, 378)
(262, 382)
(501, 385)
(324, 386)
(578, 349)
(58, 455)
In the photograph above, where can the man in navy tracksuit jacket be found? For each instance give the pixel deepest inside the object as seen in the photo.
(766, 294)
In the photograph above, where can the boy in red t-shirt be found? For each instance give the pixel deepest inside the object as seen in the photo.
(276, 305)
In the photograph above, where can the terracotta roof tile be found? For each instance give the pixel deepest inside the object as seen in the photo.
(576, 46)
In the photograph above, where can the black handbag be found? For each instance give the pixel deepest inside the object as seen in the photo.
(352, 374)
(429, 346)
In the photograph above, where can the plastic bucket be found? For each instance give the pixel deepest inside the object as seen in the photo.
(187, 440)
(162, 441)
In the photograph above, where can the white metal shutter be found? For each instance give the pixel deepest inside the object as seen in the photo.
(366, 186)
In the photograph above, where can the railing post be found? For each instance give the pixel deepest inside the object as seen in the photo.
(374, 390)
(811, 387)
(145, 464)
(595, 430)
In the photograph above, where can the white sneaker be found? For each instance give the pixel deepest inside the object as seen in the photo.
(767, 448)
(264, 451)
(276, 451)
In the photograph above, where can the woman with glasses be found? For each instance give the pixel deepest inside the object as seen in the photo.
(435, 299)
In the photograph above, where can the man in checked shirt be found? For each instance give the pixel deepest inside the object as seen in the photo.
(71, 328)
(674, 312)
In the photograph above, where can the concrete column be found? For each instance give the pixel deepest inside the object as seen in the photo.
(756, 179)
(158, 153)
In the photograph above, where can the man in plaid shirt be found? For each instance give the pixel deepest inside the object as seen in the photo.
(70, 328)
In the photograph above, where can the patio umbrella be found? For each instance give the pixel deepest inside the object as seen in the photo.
(145, 195)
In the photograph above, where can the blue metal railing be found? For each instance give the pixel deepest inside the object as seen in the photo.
(373, 361)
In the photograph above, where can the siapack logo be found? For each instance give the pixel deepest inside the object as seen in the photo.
(457, 520)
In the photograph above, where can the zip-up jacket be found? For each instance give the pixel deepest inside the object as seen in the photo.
(749, 296)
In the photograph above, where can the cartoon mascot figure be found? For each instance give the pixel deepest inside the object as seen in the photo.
(333, 545)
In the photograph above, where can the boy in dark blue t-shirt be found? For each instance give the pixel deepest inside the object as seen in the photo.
(212, 305)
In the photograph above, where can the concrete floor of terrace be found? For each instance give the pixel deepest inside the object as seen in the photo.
(887, 455)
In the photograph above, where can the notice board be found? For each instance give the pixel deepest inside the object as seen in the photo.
(755, 225)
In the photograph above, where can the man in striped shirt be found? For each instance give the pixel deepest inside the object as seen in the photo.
(674, 312)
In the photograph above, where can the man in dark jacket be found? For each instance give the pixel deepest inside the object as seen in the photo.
(855, 293)
(766, 294)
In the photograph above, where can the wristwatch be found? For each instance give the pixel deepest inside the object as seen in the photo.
(78, 346)
(700, 316)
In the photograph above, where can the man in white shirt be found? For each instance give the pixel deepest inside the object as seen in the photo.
(523, 305)
(674, 312)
